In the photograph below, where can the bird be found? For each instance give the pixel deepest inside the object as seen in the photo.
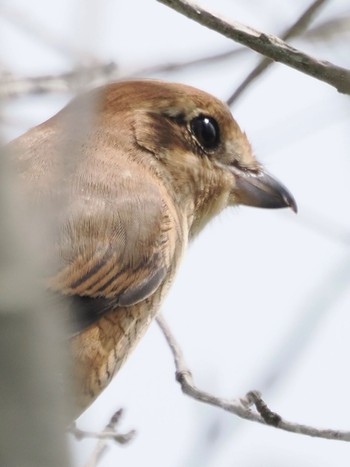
(126, 175)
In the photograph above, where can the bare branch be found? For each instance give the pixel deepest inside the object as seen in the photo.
(297, 28)
(11, 86)
(266, 44)
(241, 407)
(109, 433)
(71, 81)
(98, 74)
(100, 450)
(181, 65)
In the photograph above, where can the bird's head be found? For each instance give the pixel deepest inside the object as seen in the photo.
(197, 147)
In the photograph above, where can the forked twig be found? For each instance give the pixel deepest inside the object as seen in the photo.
(241, 407)
(266, 44)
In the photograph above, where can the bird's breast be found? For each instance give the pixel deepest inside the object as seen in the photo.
(101, 349)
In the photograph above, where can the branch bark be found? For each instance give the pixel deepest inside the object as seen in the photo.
(297, 28)
(266, 44)
(241, 407)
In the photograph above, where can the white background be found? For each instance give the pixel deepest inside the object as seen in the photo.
(262, 300)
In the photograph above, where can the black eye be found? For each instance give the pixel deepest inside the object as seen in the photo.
(206, 131)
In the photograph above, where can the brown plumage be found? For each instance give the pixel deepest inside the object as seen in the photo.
(128, 174)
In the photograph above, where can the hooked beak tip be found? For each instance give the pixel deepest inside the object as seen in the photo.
(263, 191)
(290, 202)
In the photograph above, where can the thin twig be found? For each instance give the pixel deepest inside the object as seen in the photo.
(266, 44)
(109, 433)
(184, 64)
(296, 29)
(241, 407)
(98, 74)
(100, 450)
(11, 86)
(103, 435)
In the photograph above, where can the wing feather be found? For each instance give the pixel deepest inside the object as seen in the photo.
(115, 238)
(102, 269)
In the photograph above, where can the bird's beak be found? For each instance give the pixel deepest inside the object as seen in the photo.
(261, 190)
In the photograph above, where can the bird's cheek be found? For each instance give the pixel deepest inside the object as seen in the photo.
(230, 187)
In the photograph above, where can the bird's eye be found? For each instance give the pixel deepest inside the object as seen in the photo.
(206, 131)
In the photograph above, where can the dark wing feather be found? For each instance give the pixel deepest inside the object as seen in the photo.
(83, 311)
(114, 256)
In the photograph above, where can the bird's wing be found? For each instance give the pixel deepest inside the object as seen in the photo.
(114, 235)
(113, 252)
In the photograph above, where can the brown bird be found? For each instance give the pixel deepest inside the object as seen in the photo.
(128, 174)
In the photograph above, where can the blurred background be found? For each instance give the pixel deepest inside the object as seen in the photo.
(262, 300)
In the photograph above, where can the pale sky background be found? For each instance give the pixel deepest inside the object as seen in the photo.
(260, 293)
